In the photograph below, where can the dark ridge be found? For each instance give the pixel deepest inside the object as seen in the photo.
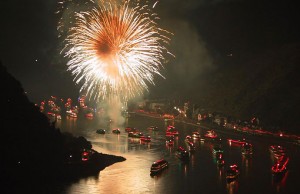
(264, 85)
(33, 151)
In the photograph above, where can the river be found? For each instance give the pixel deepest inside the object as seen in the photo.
(200, 175)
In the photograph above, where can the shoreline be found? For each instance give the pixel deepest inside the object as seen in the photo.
(294, 139)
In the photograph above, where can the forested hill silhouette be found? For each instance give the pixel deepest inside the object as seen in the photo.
(263, 84)
(32, 149)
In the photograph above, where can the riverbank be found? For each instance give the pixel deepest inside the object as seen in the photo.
(97, 163)
(290, 138)
(46, 181)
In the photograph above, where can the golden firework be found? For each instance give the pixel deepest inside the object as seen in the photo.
(115, 49)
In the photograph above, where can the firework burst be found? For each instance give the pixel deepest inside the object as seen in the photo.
(115, 49)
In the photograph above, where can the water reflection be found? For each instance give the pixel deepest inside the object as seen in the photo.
(90, 186)
(125, 178)
(280, 182)
(247, 164)
(220, 173)
(232, 187)
(193, 161)
(201, 174)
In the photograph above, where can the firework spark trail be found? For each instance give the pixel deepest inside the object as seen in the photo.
(115, 49)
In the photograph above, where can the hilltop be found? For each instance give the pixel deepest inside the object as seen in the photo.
(33, 150)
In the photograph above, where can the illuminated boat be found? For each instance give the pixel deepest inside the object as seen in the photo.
(130, 129)
(135, 134)
(219, 159)
(73, 115)
(58, 117)
(236, 142)
(100, 131)
(202, 139)
(154, 128)
(211, 134)
(85, 155)
(172, 131)
(170, 140)
(89, 115)
(277, 151)
(217, 149)
(170, 127)
(232, 173)
(158, 166)
(182, 154)
(247, 149)
(276, 148)
(188, 138)
(196, 135)
(116, 131)
(191, 146)
(168, 117)
(280, 167)
(145, 138)
(50, 114)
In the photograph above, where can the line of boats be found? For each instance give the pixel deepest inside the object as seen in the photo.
(132, 133)
(278, 152)
(103, 131)
(181, 153)
(211, 136)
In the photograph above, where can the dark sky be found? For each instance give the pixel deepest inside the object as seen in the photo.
(205, 32)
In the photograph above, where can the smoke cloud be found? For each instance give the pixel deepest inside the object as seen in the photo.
(192, 58)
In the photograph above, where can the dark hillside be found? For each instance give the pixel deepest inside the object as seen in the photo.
(32, 149)
(265, 85)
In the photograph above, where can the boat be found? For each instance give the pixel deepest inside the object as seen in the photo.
(280, 167)
(196, 135)
(277, 151)
(232, 173)
(58, 117)
(168, 117)
(217, 149)
(191, 146)
(73, 115)
(145, 138)
(172, 131)
(211, 134)
(170, 127)
(100, 131)
(276, 148)
(247, 149)
(50, 114)
(154, 128)
(130, 129)
(220, 159)
(89, 115)
(182, 154)
(85, 156)
(202, 139)
(170, 140)
(158, 166)
(135, 134)
(116, 131)
(188, 138)
(236, 142)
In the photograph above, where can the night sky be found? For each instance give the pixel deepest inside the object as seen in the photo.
(207, 33)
